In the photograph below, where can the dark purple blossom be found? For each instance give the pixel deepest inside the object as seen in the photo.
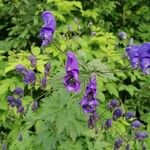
(21, 69)
(118, 143)
(108, 123)
(92, 119)
(44, 82)
(71, 80)
(19, 91)
(89, 101)
(113, 104)
(136, 124)
(11, 101)
(141, 135)
(47, 31)
(47, 68)
(133, 54)
(29, 77)
(20, 109)
(18, 103)
(122, 35)
(144, 58)
(33, 60)
(117, 113)
(35, 106)
(129, 115)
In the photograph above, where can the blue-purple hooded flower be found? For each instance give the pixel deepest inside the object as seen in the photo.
(33, 60)
(71, 80)
(133, 54)
(144, 58)
(47, 31)
(29, 77)
(89, 101)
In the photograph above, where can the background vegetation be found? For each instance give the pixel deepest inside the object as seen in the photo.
(90, 29)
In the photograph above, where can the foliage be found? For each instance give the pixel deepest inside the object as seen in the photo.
(88, 29)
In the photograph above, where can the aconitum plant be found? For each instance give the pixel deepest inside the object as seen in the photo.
(90, 105)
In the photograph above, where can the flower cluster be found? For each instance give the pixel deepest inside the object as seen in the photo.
(117, 112)
(71, 80)
(89, 101)
(29, 77)
(15, 100)
(139, 56)
(48, 29)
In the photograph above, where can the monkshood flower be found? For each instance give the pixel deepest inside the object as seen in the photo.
(129, 115)
(11, 101)
(144, 58)
(89, 101)
(92, 119)
(20, 109)
(117, 113)
(71, 80)
(47, 68)
(133, 54)
(35, 106)
(108, 123)
(113, 104)
(122, 35)
(18, 103)
(47, 31)
(44, 82)
(19, 91)
(136, 124)
(20, 137)
(141, 135)
(29, 77)
(21, 69)
(118, 143)
(33, 60)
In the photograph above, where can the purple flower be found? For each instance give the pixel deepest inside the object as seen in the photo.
(21, 69)
(89, 101)
(92, 120)
(122, 35)
(29, 77)
(140, 135)
(108, 123)
(19, 91)
(47, 68)
(43, 82)
(88, 105)
(20, 137)
(71, 80)
(11, 101)
(113, 104)
(46, 35)
(33, 60)
(47, 31)
(129, 115)
(144, 57)
(133, 53)
(118, 143)
(136, 124)
(18, 103)
(117, 113)
(20, 109)
(35, 106)
(49, 20)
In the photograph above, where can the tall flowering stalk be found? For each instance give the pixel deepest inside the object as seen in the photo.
(71, 80)
(89, 101)
(48, 29)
